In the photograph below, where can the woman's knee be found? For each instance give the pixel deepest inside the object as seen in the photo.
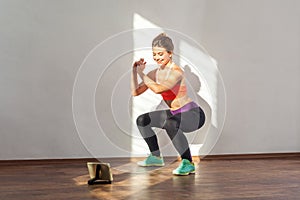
(143, 120)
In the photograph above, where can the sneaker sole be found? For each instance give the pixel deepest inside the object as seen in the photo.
(152, 165)
(184, 174)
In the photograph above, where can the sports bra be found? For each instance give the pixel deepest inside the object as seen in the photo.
(171, 93)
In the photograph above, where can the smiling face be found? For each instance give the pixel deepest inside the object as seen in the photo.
(161, 56)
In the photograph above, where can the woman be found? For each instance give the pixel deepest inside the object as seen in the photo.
(184, 115)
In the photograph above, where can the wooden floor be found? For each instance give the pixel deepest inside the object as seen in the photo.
(231, 179)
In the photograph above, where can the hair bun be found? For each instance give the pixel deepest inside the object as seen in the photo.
(162, 40)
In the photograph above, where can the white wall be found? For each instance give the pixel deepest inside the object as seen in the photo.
(43, 43)
(257, 44)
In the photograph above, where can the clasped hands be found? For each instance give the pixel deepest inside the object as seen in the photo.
(139, 65)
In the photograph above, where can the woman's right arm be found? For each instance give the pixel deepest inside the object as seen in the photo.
(136, 89)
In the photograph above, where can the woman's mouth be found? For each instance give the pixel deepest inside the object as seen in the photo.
(160, 61)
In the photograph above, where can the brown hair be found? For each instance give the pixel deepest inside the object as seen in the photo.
(162, 40)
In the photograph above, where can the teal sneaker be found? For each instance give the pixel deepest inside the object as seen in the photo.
(152, 161)
(185, 168)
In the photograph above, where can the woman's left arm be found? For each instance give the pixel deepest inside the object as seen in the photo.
(174, 77)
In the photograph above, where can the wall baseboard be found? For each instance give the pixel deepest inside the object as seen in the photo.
(252, 156)
(208, 157)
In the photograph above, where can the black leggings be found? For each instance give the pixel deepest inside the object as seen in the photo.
(174, 125)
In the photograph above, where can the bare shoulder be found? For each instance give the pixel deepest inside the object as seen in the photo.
(177, 69)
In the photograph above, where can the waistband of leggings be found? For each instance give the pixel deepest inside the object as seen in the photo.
(185, 108)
